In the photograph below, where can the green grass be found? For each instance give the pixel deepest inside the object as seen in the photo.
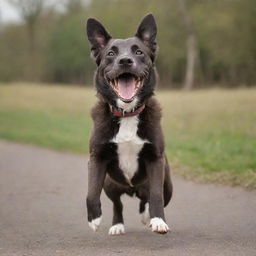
(210, 134)
(44, 129)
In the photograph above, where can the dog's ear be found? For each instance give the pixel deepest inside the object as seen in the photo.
(97, 35)
(147, 31)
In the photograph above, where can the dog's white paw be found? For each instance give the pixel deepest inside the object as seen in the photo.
(145, 215)
(158, 225)
(117, 229)
(94, 224)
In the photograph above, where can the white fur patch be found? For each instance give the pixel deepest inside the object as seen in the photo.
(127, 107)
(145, 215)
(94, 224)
(117, 229)
(158, 225)
(129, 146)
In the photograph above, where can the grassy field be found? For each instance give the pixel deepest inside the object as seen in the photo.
(210, 134)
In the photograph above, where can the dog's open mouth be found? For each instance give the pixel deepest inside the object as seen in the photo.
(126, 86)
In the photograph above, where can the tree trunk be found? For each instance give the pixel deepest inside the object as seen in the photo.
(31, 37)
(191, 62)
(192, 47)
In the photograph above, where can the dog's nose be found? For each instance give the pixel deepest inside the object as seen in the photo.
(126, 61)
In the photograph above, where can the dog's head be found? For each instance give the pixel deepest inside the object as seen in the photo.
(125, 67)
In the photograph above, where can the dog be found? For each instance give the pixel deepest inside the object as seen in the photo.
(127, 144)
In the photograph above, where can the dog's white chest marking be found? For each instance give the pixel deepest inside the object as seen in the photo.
(129, 146)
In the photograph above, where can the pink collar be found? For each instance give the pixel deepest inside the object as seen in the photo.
(122, 113)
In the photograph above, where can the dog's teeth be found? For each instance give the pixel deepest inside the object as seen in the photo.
(137, 84)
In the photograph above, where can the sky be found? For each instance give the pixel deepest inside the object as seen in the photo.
(8, 13)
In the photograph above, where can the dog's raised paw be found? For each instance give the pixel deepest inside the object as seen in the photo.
(117, 229)
(94, 224)
(158, 225)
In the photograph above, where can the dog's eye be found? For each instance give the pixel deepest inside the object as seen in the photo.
(138, 52)
(111, 53)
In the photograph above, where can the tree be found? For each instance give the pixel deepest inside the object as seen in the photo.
(192, 47)
(68, 51)
(73, 6)
(29, 11)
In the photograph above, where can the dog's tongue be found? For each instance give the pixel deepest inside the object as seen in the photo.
(126, 87)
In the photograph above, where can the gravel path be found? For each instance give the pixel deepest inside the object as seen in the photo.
(42, 212)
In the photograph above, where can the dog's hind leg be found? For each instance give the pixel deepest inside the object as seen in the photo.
(114, 195)
(144, 212)
(118, 222)
(168, 188)
(142, 193)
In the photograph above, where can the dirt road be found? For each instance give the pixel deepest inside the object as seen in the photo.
(42, 212)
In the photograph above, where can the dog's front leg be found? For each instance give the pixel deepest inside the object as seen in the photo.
(155, 172)
(96, 177)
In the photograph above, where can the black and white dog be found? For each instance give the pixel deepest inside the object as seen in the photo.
(127, 144)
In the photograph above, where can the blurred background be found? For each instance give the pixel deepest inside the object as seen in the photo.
(206, 62)
(211, 40)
